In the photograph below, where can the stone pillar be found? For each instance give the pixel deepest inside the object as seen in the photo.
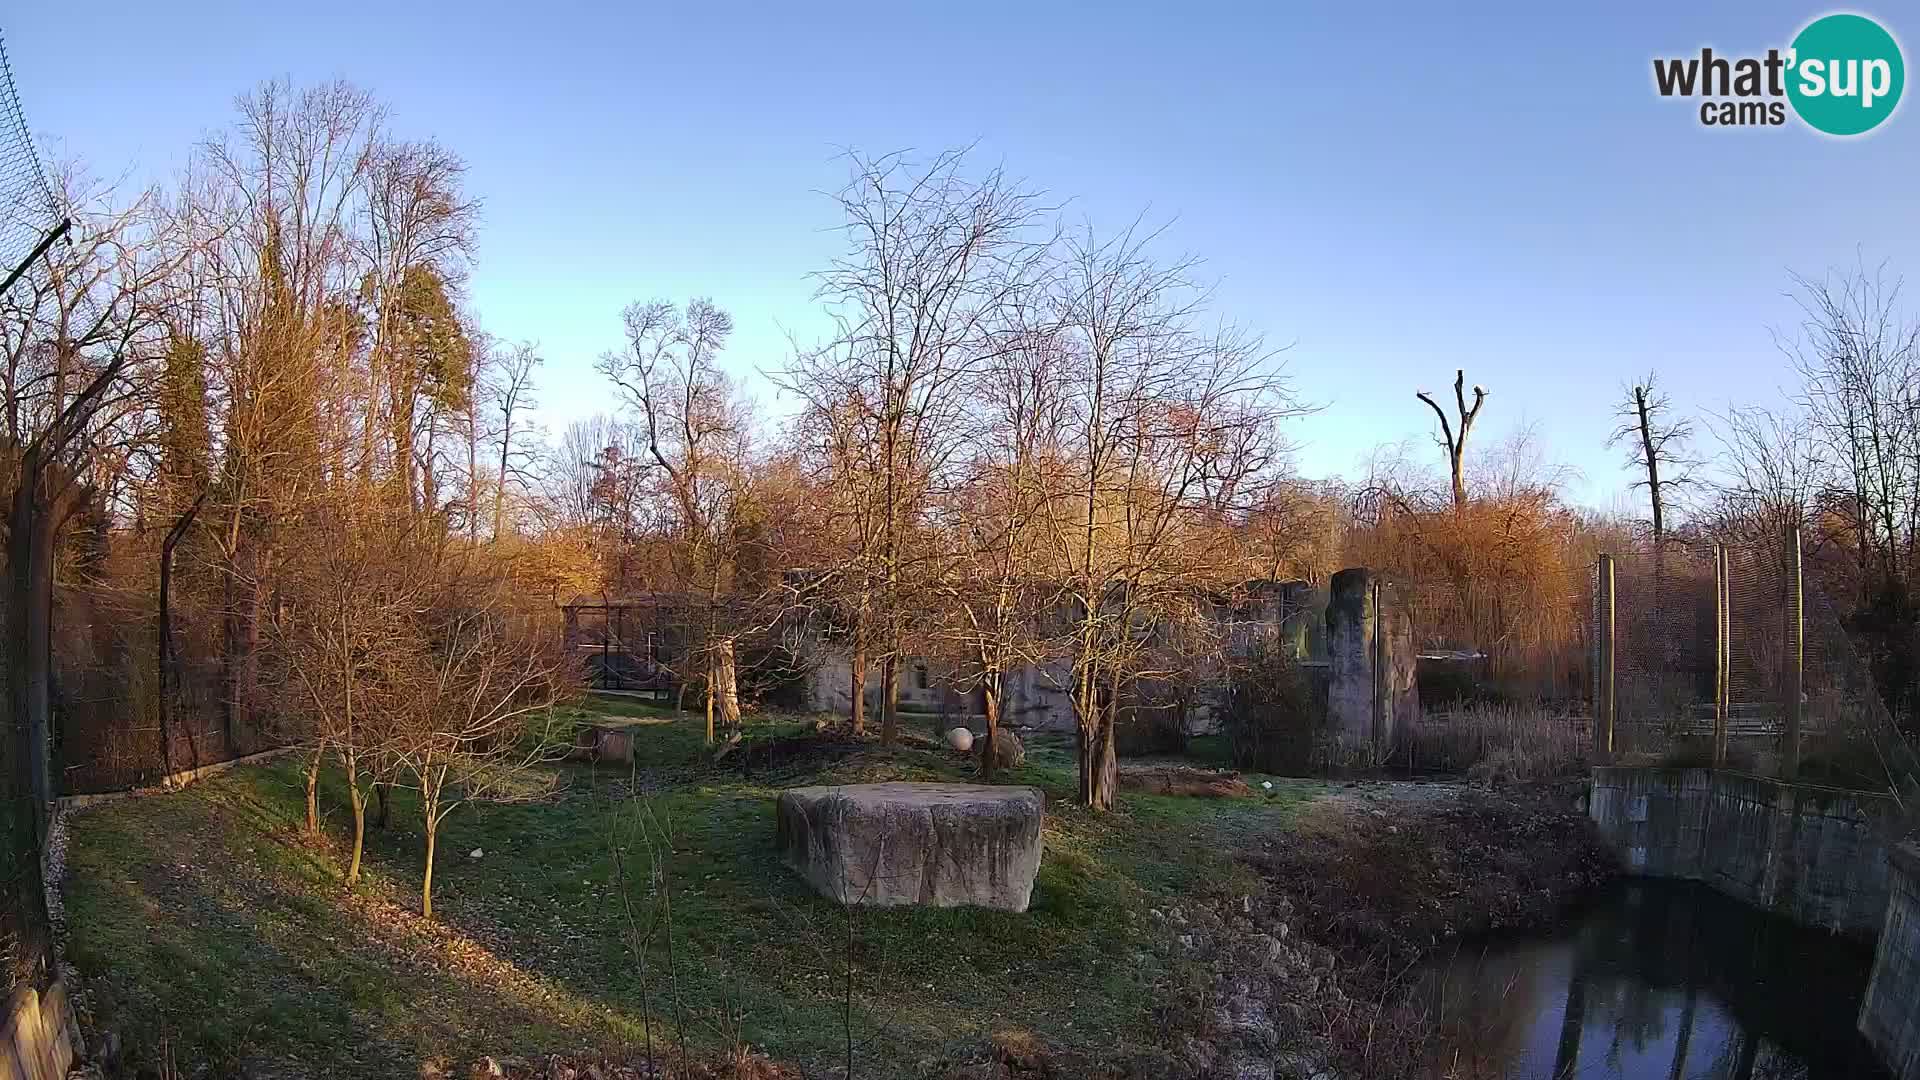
(1370, 692)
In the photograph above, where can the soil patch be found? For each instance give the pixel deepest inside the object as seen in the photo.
(1183, 780)
(1376, 872)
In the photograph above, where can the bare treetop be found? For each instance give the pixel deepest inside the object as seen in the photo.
(1455, 446)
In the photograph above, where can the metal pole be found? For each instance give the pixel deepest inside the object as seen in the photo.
(1722, 654)
(1603, 704)
(1796, 653)
(39, 249)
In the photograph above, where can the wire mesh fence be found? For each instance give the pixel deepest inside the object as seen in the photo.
(1733, 654)
(29, 212)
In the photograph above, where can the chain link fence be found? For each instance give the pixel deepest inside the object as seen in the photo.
(29, 211)
(30, 216)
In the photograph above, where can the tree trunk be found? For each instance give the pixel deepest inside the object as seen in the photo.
(426, 875)
(313, 793)
(473, 479)
(725, 680)
(381, 817)
(857, 703)
(358, 800)
(1099, 767)
(165, 699)
(990, 701)
(242, 652)
(32, 528)
(890, 699)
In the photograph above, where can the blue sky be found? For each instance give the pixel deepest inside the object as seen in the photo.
(1394, 191)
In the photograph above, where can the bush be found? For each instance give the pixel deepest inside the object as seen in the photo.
(1270, 718)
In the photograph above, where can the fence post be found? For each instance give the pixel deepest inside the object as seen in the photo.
(1603, 696)
(1722, 653)
(1795, 652)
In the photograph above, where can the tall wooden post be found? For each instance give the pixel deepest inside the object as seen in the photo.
(1722, 653)
(1603, 694)
(1793, 683)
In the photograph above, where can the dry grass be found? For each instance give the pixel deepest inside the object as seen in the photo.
(1499, 743)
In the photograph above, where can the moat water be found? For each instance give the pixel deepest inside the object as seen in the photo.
(1657, 980)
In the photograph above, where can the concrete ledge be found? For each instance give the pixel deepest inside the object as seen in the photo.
(170, 782)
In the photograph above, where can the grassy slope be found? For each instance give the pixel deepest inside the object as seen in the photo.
(203, 918)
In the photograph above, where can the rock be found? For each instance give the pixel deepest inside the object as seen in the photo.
(486, 1069)
(1008, 753)
(940, 845)
(960, 739)
(474, 854)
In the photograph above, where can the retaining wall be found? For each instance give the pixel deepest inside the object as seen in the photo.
(1815, 855)
(1890, 1013)
(1819, 856)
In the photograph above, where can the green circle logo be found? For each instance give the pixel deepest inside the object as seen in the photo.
(1846, 74)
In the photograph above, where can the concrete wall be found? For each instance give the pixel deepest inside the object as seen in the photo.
(1815, 855)
(1371, 695)
(1890, 1013)
(1033, 694)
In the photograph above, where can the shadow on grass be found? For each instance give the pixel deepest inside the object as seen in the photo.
(204, 917)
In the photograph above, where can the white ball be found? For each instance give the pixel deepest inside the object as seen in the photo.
(960, 739)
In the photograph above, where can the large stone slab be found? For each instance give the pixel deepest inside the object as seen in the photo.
(942, 845)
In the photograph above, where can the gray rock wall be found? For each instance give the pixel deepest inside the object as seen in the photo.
(1371, 692)
(1816, 855)
(1890, 1013)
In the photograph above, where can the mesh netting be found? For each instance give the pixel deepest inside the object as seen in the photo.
(28, 208)
(1667, 675)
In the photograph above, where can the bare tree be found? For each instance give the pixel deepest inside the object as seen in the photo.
(932, 253)
(1149, 402)
(344, 616)
(482, 682)
(510, 394)
(1455, 446)
(695, 430)
(268, 213)
(995, 520)
(1858, 357)
(1659, 447)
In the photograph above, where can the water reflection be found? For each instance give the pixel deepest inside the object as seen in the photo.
(1657, 980)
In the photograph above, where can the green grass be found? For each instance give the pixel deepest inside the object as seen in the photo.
(204, 919)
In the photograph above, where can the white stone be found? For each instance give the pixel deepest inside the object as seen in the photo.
(475, 853)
